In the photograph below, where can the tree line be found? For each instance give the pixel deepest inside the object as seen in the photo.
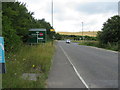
(109, 36)
(16, 21)
(74, 37)
(110, 31)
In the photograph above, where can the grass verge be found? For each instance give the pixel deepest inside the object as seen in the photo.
(30, 59)
(113, 46)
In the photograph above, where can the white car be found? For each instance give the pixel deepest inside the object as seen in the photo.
(68, 41)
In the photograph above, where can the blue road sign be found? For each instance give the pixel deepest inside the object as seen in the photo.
(2, 56)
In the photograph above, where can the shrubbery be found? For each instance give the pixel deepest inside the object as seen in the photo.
(17, 20)
(110, 34)
(110, 31)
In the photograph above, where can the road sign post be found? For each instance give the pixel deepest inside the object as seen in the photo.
(53, 37)
(2, 56)
(37, 36)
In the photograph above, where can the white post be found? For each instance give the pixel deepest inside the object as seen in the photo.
(37, 36)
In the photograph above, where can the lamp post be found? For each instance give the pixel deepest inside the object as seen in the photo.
(52, 12)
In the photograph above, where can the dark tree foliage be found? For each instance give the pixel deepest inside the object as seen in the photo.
(58, 36)
(110, 32)
(17, 20)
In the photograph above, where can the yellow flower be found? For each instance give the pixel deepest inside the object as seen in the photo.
(33, 66)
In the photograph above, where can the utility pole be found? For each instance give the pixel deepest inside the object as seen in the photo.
(0, 18)
(52, 12)
(119, 8)
(82, 30)
(52, 20)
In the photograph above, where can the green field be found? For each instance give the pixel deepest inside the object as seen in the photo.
(30, 59)
(90, 33)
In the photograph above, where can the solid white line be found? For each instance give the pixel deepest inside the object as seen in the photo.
(83, 81)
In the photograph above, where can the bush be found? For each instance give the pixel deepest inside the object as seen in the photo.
(110, 31)
(16, 23)
(12, 40)
(113, 46)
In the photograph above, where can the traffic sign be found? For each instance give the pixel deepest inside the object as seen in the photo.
(52, 30)
(37, 36)
(41, 34)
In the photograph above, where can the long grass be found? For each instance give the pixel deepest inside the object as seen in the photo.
(30, 59)
(109, 46)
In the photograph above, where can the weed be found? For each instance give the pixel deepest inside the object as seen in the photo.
(30, 59)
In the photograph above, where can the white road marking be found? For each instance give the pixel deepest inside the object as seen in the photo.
(83, 81)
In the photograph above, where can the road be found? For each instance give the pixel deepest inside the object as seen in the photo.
(77, 66)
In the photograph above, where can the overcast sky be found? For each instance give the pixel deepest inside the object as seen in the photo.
(68, 14)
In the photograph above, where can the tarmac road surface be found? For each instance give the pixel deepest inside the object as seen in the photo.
(78, 66)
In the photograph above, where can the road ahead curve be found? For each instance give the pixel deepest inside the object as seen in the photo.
(97, 67)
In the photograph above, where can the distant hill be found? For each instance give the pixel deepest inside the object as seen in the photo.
(88, 33)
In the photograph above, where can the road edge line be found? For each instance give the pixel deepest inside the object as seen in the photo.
(79, 76)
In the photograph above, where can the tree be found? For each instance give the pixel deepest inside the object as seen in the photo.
(12, 40)
(110, 32)
(17, 21)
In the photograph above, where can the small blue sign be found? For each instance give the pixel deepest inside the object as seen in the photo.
(2, 56)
